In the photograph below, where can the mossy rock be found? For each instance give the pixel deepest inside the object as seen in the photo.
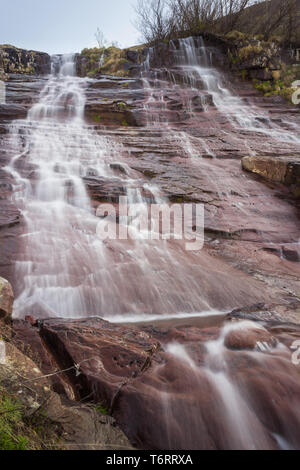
(115, 61)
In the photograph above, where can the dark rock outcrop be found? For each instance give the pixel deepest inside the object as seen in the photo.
(160, 383)
(110, 61)
(113, 101)
(3, 75)
(116, 113)
(17, 60)
(255, 57)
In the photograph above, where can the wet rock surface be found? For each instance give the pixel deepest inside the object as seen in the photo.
(137, 374)
(62, 423)
(23, 89)
(112, 101)
(17, 60)
(197, 162)
(167, 386)
(10, 111)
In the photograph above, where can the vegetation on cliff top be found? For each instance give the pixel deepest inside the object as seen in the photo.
(158, 20)
(109, 61)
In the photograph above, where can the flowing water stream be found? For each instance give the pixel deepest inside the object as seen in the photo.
(217, 371)
(244, 403)
(193, 70)
(192, 86)
(65, 270)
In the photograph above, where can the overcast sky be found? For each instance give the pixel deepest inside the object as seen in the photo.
(63, 26)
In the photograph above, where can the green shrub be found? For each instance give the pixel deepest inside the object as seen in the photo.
(11, 425)
(273, 88)
(249, 52)
(101, 409)
(236, 36)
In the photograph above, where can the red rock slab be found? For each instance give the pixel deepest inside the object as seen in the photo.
(187, 401)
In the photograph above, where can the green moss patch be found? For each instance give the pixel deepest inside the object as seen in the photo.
(110, 61)
(282, 87)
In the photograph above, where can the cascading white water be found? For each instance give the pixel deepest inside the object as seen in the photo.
(194, 56)
(193, 59)
(201, 94)
(234, 406)
(55, 272)
(64, 269)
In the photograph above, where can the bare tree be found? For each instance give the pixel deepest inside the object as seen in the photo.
(116, 44)
(293, 30)
(100, 38)
(166, 19)
(230, 12)
(275, 15)
(153, 19)
(194, 15)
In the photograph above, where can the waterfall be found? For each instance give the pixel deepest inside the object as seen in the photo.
(208, 386)
(226, 414)
(64, 269)
(195, 57)
(193, 68)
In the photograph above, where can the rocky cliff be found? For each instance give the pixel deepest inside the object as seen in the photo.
(16, 60)
(163, 383)
(110, 61)
(267, 64)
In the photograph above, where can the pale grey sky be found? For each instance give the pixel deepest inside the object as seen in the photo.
(63, 26)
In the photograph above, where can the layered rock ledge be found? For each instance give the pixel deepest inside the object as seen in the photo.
(278, 169)
(16, 60)
(158, 382)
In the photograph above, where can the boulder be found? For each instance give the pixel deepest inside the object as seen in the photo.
(162, 384)
(277, 169)
(271, 168)
(249, 339)
(6, 299)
